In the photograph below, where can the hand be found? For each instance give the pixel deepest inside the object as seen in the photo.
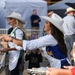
(73, 52)
(4, 44)
(50, 13)
(6, 37)
(35, 21)
(52, 71)
(27, 52)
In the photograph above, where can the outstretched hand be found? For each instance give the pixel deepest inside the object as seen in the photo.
(50, 13)
(6, 37)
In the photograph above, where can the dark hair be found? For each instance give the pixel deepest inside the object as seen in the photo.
(59, 36)
(34, 10)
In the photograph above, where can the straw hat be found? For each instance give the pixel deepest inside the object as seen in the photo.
(69, 10)
(56, 20)
(16, 16)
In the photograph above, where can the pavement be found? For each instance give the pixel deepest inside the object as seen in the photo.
(43, 64)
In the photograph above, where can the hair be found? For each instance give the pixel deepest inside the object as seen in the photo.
(34, 10)
(20, 26)
(59, 36)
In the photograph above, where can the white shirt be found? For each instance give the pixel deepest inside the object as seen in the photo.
(14, 55)
(47, 40)
(69, 25)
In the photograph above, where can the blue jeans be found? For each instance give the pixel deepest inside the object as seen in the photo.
(69, 39)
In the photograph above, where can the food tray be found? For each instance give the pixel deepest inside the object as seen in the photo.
(37, 71)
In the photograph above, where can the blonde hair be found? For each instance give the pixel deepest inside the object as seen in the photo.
(20, 26)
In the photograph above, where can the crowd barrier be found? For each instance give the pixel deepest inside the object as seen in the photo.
(31, 34)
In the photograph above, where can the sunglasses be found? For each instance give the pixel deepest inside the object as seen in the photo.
(10, 18)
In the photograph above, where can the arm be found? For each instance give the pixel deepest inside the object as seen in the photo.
(7, 38)
(73, 53)
(7, 49)
(33, 44)
(32, 20)
(55, 71)
(39, 20)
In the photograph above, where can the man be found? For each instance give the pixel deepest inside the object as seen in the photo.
(69, 29)
(35, 19)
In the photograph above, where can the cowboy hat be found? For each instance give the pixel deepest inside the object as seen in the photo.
(56, 20)
(17, 16)
(69, 10)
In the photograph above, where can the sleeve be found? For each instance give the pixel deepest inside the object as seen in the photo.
(73, 71)
(32, 19)
(47, 40)
(19, 34)
(39, 19)
(12, 45)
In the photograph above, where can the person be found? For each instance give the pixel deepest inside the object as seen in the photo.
(16, 64)
(7, 72)
(35, 19)
(34, 57)
(52, 41)
(69, 29)
(33, 36)
(69, 70)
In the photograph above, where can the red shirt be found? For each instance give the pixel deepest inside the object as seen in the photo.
(73, 71)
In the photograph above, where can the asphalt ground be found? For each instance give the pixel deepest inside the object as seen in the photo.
(43, 64)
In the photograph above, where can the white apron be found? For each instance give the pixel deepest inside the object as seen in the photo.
(54, 63)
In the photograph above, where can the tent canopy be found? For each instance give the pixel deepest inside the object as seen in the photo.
(60, 5)
(25, 8)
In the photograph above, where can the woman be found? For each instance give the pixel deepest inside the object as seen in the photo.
(54, 40)
(15, 57)
(69, 70)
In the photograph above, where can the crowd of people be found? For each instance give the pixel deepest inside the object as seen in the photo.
(56, 49)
